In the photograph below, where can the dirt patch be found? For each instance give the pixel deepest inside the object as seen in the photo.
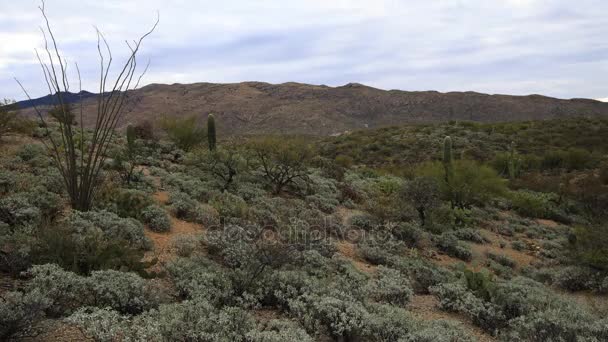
(161, 197)
(426, 308)
(547, 223)
(162, 242)
(58, 331)
(345, 214)
(349, 251)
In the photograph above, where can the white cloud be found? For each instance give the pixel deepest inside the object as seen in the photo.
(603, 99)
(511, 46)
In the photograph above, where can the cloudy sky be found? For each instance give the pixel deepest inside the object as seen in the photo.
(552, 47)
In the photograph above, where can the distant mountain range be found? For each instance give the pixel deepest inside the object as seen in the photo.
(295, 108)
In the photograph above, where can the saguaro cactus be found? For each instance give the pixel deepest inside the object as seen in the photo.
(514, 163)
(211, 132)
(447, 159)
(130, 137)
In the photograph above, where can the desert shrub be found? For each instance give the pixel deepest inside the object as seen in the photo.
(122, 291)
(388, 323)
(410, 234)
(156, 218)
(64, 290)
(182, 205)
(184, 133)
(50, 204)
(455, 297)
(363, 221)
(470, 234)
(342, 317)
(103, 325)
(196, 279)
(502, 259)
(31, 152)
(589, 246)
(229, 205)
(448, 243)
(19, 312)
(574, 278)
(207, 216)
(439, 331)
(278, 331)
(423, 274)
(198, 320)
(564, 323)
(519, 245)
(531, 204)
(185, 245)
(110, 225)
(8, 181)
(379, 249)
(19, 213)
(125, 202)
(192, 320)
(390, 286)
(471, 183)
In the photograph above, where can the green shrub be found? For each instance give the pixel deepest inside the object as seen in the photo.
(19, 312)
(531, 204)
(229, 205)
(502, 259)
(388, 323)
(344, 318)
(390, 286)
(470, 234)
(156, 218)
(279, 331)
(183, 132)
(109, 225)
(66, 291)
(440, 331)
(423, 274)
(196, 279)
(448, 243)
(183, 206)
(19, 213)
(185, 245)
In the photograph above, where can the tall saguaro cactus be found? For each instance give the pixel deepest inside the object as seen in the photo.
(448, 166)
(211, 132)
(447, 159)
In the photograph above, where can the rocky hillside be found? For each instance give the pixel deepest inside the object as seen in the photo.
(254, 107)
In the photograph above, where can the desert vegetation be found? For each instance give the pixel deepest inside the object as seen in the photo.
(272, 238)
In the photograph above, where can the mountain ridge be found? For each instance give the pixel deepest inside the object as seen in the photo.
(299, 108)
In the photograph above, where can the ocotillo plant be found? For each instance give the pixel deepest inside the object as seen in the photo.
(211, 132)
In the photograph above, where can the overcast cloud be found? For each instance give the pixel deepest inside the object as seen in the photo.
(557, 48)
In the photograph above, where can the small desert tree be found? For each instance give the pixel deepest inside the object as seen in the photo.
(282, 161)
(423, 194)
(185, 132)
(79, 156)
(9, 117)
(224, 163)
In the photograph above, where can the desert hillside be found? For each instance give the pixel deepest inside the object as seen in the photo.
(295, 108)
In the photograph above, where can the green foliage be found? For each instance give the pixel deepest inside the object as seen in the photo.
(156, 218)
(448, 242)
(211, 132)
(390, 286)
(283, 162)
(19, 312)
(229, 205)
(531, 204)
(589, 246)
(185, 132)
(423, 194)
(10, 121)
(66, 291)
(279, 331)
(471, 184)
